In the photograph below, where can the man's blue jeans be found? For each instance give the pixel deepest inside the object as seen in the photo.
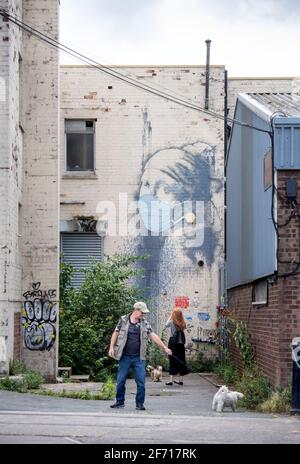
(139, 370)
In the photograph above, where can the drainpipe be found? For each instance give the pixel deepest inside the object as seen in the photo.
(225, 295)
(225, 153)
(208, 42)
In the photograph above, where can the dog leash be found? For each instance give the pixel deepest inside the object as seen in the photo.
(205, 378)
(173, 355)
(217, 386)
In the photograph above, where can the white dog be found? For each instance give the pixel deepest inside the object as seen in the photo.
(225, 397)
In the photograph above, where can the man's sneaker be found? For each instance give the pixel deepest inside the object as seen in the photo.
(140, 407)
(117, 405)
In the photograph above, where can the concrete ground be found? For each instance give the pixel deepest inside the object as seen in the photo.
(174, 414)
(192, 398)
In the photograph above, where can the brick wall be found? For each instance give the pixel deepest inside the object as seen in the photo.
(10, 181)
(273, 327)
(138, 138)
(40, 211)
(263, 323)
(289, 250)
(29, 240)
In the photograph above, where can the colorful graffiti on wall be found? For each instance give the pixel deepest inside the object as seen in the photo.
(39, 315)
(182, 302)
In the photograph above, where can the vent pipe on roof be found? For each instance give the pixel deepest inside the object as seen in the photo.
(208, 42)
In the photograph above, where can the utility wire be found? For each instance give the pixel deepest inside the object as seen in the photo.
(105, 69)
(117, 75)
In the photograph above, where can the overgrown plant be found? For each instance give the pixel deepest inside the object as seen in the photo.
(16, 367)
(240, 334)
(279, 401)
(200, 363)
(27, 380)
(227, 370)
(252, 383)
(89, 315)
(107, 392)
(33, 379)
(255, 386)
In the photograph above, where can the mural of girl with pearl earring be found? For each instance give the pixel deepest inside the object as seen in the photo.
(177, 201)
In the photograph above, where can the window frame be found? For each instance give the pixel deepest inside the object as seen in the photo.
(260, 302)
(81, 172)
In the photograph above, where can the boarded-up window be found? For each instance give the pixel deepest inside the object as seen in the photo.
(79, 145)
(268, 170)
(79, 250)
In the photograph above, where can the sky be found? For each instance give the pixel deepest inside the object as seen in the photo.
(252, 38)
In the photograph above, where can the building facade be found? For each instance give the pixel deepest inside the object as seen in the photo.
(29, 200)
(152, 176)
(262, 233)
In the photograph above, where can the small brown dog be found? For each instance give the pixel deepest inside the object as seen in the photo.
(155, 373)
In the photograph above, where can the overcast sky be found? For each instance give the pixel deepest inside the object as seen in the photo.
(250, 37)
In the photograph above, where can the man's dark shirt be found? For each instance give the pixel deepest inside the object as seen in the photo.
(132, 346)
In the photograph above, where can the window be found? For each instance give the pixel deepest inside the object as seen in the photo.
(80, 145)
(260, 293)
(268, 170)
(79, 250)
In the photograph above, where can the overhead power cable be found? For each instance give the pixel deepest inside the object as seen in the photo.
(117, 75)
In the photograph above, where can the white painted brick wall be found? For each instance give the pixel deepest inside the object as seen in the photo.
(29, 168)
(40, 244)
(10, 178)
(122, 140)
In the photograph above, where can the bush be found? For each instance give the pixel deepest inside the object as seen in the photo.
(16, 367)
(241, 336)
(227, 371)
(279, 401)
(89, 315)
(201, 364)
(27, 380)
(108, 390)
(255, 387)
(102, 372)
(33, 380)
(16, 385)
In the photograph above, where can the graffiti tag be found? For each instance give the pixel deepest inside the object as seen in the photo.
(39, 316)
(182, 301)
(203, 316)
(36, 292)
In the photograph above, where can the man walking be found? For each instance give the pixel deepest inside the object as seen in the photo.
(128, 345)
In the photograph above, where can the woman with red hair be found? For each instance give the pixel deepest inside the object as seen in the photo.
(177, 325)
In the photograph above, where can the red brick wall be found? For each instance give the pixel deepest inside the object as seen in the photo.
(17, 335)
(273, 327)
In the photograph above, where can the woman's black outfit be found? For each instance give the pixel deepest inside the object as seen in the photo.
(177, 345)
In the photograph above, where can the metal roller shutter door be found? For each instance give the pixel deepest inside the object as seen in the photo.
(79, 250)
